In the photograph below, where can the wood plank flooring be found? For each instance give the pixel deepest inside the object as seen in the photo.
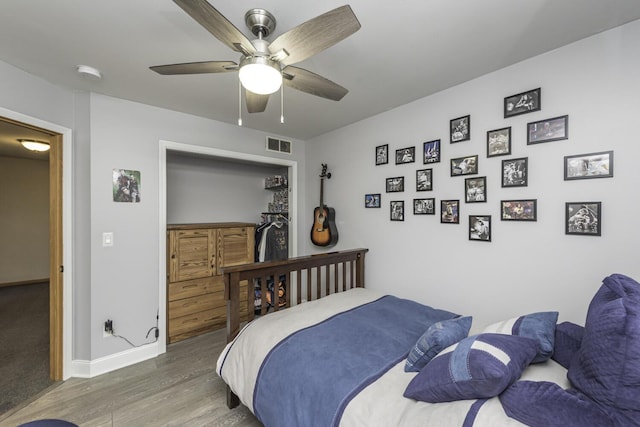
(178, 388)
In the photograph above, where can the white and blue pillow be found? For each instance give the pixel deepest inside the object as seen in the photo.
(538, 326)
(439, 336)
(480, 366)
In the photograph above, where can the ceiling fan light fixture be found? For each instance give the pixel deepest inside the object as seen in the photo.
(34, 145)
(260, 75)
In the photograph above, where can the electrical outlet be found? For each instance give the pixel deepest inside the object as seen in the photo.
(108, 328)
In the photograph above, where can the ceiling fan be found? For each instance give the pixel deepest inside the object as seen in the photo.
(264, 59)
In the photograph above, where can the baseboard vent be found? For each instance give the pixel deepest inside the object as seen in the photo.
(278, 145)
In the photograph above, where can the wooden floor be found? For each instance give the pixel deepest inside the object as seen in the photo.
(178, 388)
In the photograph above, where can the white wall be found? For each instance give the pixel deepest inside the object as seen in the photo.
(528, 266)
(205, 189)
(24, 219)
(124, 278)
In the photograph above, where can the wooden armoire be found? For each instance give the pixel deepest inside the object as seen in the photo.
(196, 254)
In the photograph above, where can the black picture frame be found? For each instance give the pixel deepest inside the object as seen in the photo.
(480, 228)
(588, 166)
(515, 172)
(460, 129)
(405, 155)
(431, 152)
(499, 142)
(583, 218)
(467, 165)
(475, 189)
(523, 103)
(547, 130)
(395, 184)
(519, 210)
(424, 179)
(424, 206)
(396, 210)
(382, 154)
(372, 200)
(450, 211)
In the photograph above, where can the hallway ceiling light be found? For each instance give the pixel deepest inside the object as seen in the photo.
(34, 145)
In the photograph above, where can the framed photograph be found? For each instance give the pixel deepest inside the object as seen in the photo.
(424, 180)
(585, 166)
(431, 150)
(126, 186)
(464, 165)
(480, 228)
(450, 211)
(424, 206)
(519, 210)
(515, 172)
(583, 218)
(372, 200)
(405, 155)
(499, 142)
(395, 184)
(522, 103)
(548, 130)
(397, 210)
(382, 154)
(460, 129)
(475, 189)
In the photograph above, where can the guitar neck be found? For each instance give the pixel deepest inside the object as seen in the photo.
(321, 193)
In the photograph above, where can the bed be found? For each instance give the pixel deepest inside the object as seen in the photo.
(337, 354)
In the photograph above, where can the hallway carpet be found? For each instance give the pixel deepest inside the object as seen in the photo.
(24, 343)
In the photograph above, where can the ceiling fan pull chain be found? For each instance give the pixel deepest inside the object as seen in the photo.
(281, 101)
(239, 103)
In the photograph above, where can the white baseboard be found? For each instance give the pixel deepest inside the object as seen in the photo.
(93, 368)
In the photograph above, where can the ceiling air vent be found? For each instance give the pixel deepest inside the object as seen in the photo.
(279, 145)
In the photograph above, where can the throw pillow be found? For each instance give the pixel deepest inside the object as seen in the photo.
(439, 336)
(568, 340)
(538, 326)
(480, 366)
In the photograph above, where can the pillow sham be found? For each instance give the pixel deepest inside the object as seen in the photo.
(607, 366)
(538, 326)
(480, 366)
(568, 338)
(439, 336)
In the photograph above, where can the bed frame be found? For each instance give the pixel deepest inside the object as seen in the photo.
(306, 278)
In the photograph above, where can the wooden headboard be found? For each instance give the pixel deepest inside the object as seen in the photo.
(306, 278)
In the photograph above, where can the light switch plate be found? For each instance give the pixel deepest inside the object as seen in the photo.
(107, 239)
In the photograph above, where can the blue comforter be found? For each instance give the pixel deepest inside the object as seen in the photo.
(309, 377)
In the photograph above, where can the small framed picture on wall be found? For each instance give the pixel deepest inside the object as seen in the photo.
(499, 142)
(372, 200)
(405, 155)
(475, 189)
(395, 184)
(519, 210)
(424, 180)
(424, 206)
(460, 129)
(548, 130)
(450, 211)
(515, 172)
(480, 228)
(397, 210)
(431, 150)
(522, 103)
(382, 154)
(464, 165)
(586, 166)
(583, 218)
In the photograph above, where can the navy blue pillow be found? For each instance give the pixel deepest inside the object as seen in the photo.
(568, 340)
(542, 403)
(607, 366)
(480, 366)
(439, 336)
(538, 326)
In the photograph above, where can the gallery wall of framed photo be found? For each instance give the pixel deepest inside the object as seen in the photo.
(412, 172)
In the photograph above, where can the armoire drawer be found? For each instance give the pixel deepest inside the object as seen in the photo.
(195, 287)
(196, 323)
(196, 304)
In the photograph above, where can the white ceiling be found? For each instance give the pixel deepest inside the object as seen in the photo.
(405, 50)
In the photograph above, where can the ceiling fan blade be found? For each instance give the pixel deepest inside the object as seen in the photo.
(196, 67)
(306, 81)
(256, 103)
(214, 22)
(316, 35)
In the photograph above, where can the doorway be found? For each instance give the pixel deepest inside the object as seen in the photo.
(12, 129)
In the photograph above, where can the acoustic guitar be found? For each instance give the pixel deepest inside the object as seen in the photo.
(324, 231)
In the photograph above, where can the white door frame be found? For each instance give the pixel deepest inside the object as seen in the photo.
(165, 146)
